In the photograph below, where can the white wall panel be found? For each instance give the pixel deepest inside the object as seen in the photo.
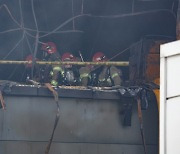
(173, 76)
(170, 98)
(173, 126)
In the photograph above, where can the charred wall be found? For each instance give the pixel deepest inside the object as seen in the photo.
(86, 126)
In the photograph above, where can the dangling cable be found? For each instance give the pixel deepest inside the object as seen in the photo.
(141, 124)
(55, 94)
(2, 101)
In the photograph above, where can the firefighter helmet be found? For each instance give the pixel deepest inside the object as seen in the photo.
(29, 58)
(67, 56)
(98, 57)
(49, 47)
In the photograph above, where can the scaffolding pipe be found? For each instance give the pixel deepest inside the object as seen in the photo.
(108, 63)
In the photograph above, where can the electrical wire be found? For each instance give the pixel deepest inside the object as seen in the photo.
(133, 14)
(46, 32)
(36, 39)
(9, 13)
(13, 72)
(63, 24)
(14, 47)
(10, 30)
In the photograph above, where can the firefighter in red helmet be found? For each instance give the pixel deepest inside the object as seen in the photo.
(51, 54)
(28, 69)
(99, 57)
(50, 51)
(69, 73)
(67, 56)
(29, 58)
(100, 75)
(105, 75)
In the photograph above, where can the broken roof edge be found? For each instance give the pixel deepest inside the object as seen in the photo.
(63, 91)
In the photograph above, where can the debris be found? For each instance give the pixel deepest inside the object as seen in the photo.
(5, 86)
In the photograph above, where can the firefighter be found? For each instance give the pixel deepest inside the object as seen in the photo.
(69, 73)
(28, 68)
(51, 54)
(100, 75)
(85, 75)
(104, 75)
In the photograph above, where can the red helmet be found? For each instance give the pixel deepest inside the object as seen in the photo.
(99, 56)
(29, 58)
(67, 56)
(49, 47)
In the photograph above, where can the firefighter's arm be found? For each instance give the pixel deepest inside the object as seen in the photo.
(116, 75)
